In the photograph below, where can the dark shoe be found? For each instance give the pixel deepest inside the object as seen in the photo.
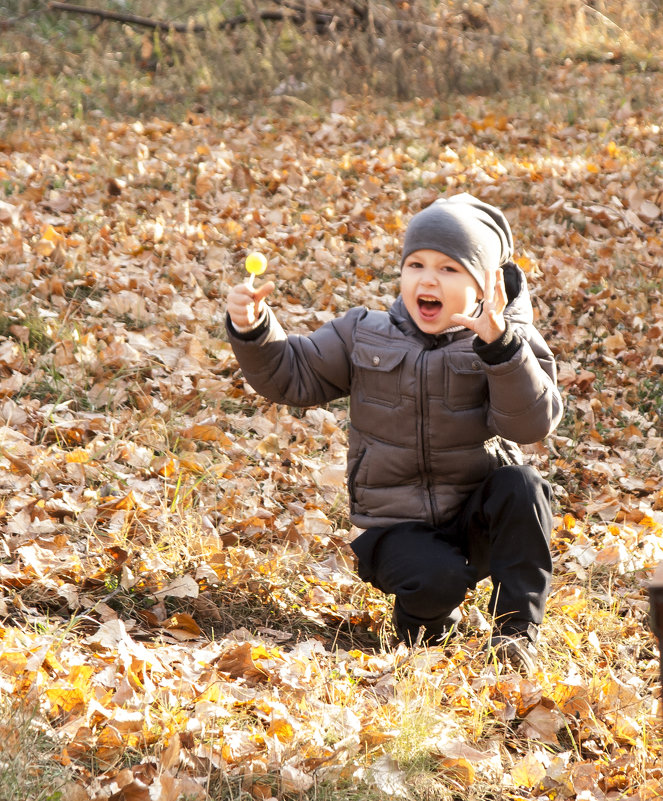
(425, 636)
(516, 649)
(514, 642)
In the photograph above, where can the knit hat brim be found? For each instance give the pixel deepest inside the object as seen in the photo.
(468, 230)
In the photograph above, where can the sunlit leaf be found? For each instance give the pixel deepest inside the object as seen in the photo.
(528, 772)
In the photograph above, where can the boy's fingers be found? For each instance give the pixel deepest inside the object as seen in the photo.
(462, 319)
(242, 303)
(500, 288)
(489, 287)
(263, 291)
(240, 294)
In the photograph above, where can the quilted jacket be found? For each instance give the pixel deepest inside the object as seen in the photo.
(430, 418)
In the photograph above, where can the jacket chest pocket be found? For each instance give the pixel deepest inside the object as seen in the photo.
(378, 372)
(467, 385)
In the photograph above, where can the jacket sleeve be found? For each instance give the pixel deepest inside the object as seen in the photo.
(298, 370)
(525, 404)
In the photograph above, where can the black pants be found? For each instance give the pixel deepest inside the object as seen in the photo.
(503, 531)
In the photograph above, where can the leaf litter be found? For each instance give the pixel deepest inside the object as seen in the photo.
(176, 588)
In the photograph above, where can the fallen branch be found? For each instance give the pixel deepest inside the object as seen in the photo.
(130, 19)
(296, 13)
(323, 20)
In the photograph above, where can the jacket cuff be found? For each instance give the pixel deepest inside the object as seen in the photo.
(248, 335)
(501, 350)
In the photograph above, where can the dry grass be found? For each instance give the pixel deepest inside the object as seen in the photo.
(76, 65)
(28, 767)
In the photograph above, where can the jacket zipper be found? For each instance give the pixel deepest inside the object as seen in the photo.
(425, 454)
(353, 476)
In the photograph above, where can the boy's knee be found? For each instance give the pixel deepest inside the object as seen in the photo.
(520, 481)
(428, 596)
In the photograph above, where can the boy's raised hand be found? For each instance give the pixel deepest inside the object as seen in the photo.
(490, 324)
(245, 304)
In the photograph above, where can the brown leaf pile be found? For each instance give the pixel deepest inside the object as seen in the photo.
(176, 589)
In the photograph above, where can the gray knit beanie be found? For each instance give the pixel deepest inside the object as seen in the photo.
(473, 233)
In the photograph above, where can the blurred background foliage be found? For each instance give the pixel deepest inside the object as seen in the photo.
(57, 62)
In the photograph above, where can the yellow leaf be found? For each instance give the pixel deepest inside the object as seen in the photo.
(487, 122)
(13, 663)
(164, 466)
(373, 736)
(528, 772)
(570, 600)
(525, 263)
(193, 467)
(282, 730)
(77, 456)
(573, 639)
(183, 626)
(109, 745)
(259, 652)
(393, 223)
(80, 675)
(362, 274)
(460, 768)
(233, 228)
(64, 699)
(569, 522)
(208, 433)
(51, 235)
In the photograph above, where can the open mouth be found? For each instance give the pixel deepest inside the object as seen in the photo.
(428, 306)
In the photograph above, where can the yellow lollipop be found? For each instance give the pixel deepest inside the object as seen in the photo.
(255, 264)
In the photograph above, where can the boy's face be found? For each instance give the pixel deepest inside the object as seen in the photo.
(434, 287)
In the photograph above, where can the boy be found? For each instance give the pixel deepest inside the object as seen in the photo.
(442, 387)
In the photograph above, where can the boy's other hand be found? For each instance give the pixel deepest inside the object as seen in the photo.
(490, 324)
(246, 304)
